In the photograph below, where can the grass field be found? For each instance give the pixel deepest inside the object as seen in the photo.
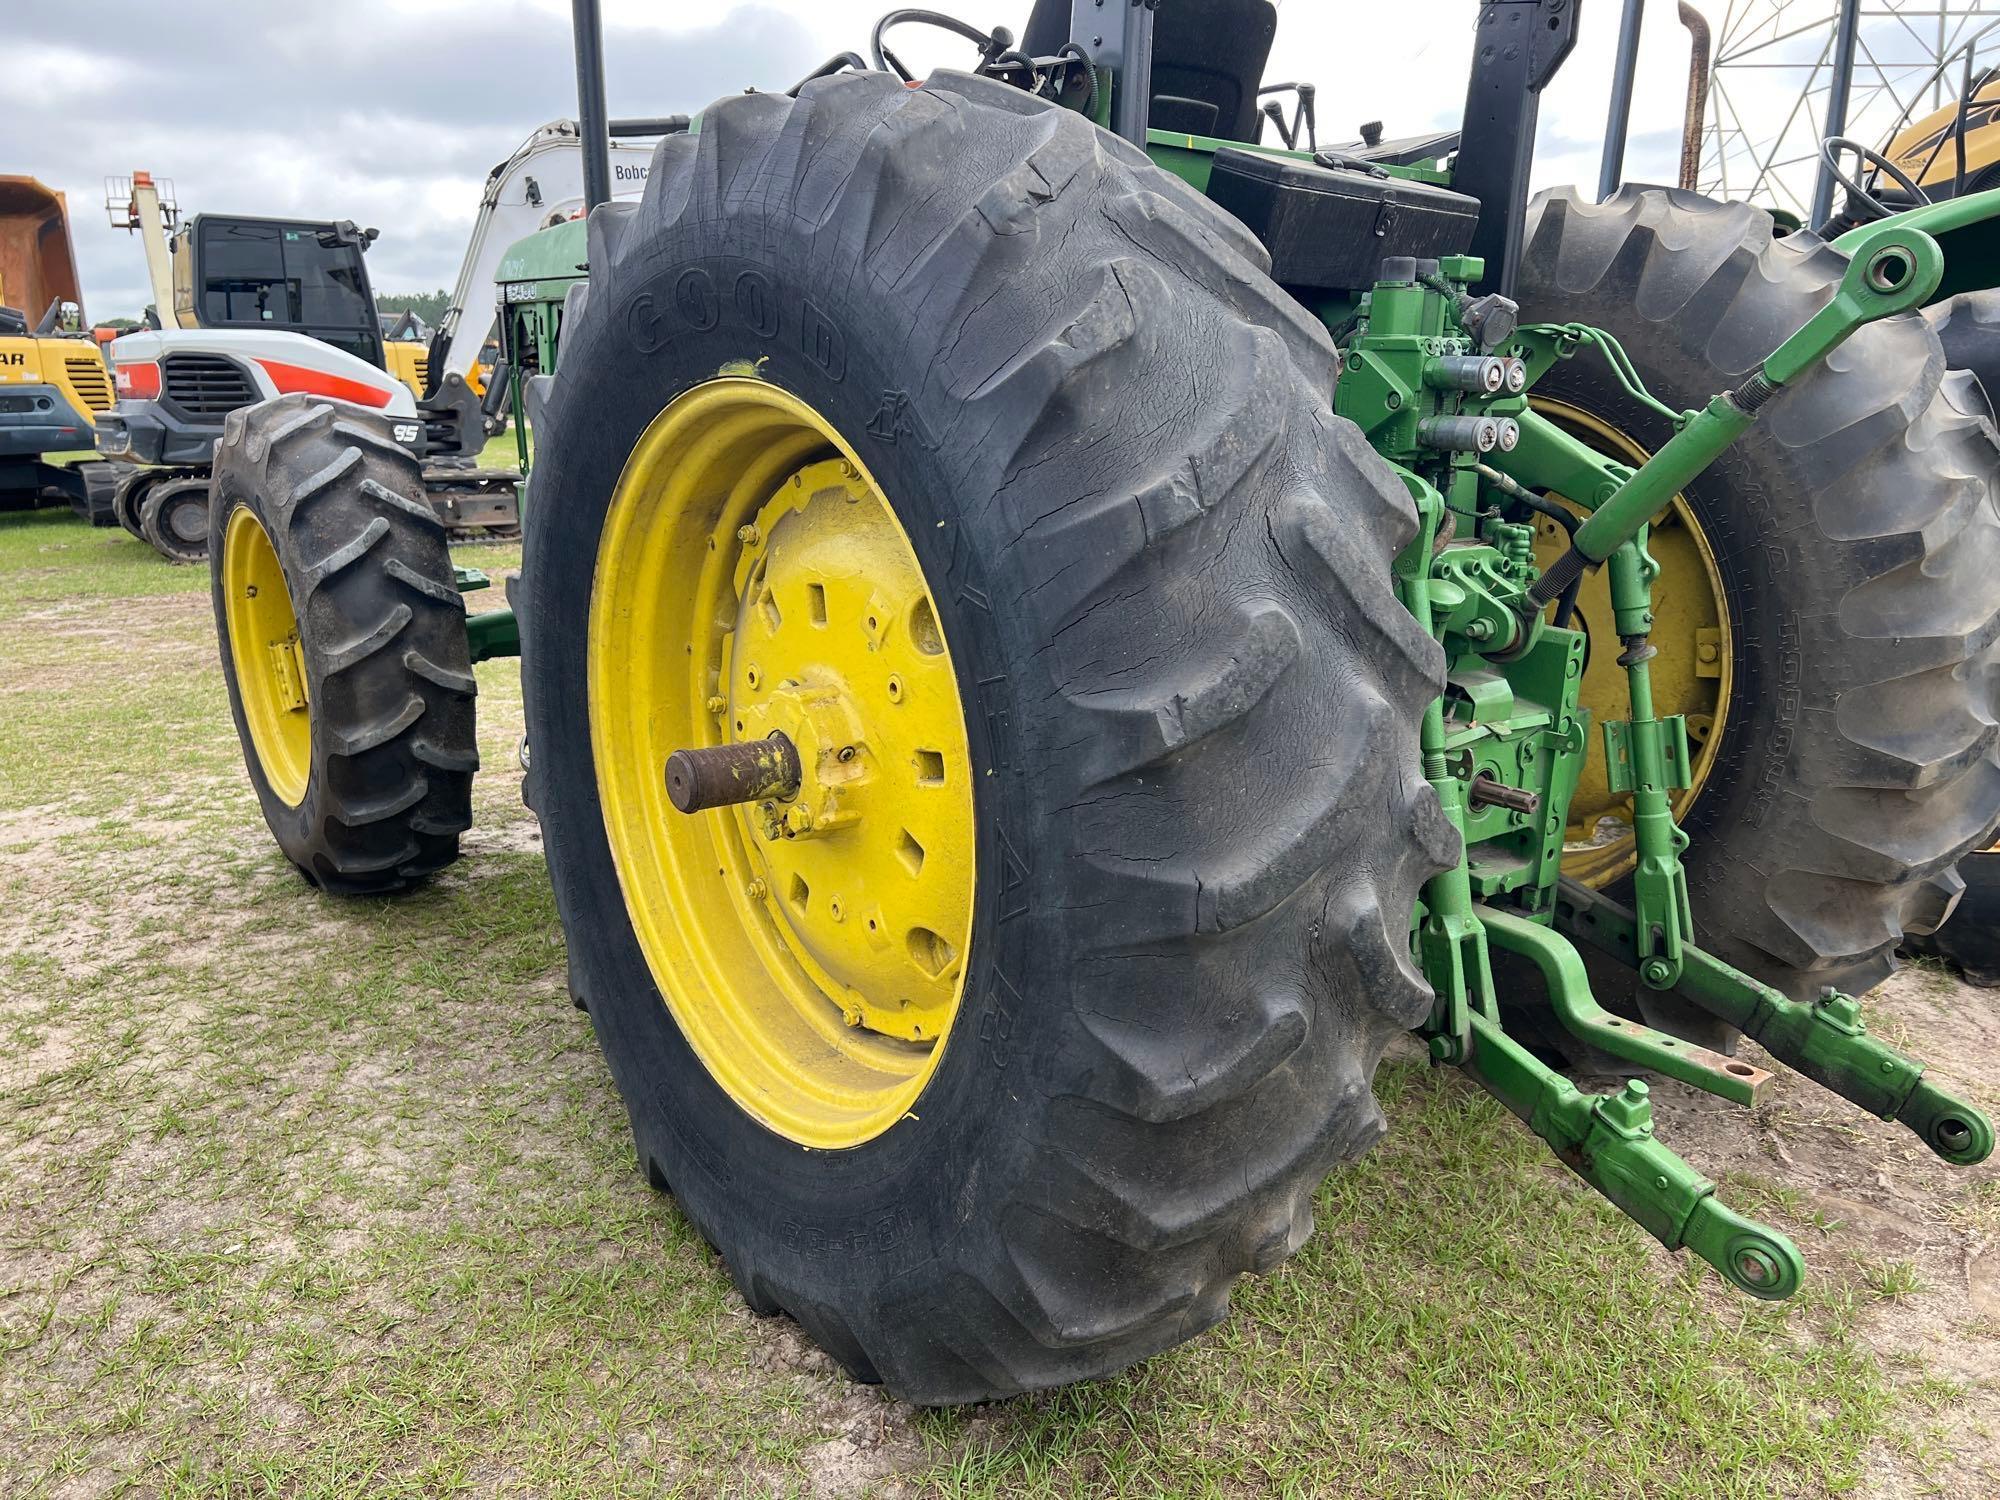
(302, 1197)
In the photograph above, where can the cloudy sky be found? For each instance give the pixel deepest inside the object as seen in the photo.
(391, 113)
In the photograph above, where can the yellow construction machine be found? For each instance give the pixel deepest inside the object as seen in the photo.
(53, 380)
(1954, 149)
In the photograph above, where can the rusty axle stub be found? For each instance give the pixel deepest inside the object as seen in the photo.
(724, 775)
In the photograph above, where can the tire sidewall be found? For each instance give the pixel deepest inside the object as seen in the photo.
(130, 497)
(694, 311)
(291, 826)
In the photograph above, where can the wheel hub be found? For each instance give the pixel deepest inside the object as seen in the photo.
(759, 614)
(851, 668)
(187, 518)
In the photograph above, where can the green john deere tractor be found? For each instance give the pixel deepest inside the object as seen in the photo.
(1052, 631)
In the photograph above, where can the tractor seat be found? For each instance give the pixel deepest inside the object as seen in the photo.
(1208, 61)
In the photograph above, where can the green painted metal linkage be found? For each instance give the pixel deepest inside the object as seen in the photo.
(494, 633)
(1607, 1140)
(1893, 269)
(1513, 686)
(1630, 1041)
(497, 632)
(1826, 1041)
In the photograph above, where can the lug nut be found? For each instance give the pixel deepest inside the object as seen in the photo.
(748, 535)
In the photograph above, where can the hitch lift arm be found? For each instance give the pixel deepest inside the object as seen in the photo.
(1893, 269)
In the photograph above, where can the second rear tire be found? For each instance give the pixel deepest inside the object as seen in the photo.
(1855, 538)
(344, 646)
(173, 518)
(1970, 941)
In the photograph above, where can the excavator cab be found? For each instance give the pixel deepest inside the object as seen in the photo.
(292, 275)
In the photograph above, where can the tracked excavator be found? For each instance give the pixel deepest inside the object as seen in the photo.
(254, 308)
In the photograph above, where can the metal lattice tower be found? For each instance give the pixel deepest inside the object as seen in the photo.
(1775, 67)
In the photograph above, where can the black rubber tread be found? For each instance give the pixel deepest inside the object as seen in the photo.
(131, 495)
(135, 482)
(388, 664)
(1968, 328)
(1860, 544)
(158, 517)
(100, 487)
(1970, 941)
(1193, 700)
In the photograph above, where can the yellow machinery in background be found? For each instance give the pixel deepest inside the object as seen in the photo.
(406, 341)
(406, 347)
(1929, 150)
(53, 379)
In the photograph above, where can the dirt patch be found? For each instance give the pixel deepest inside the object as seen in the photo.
(117, 623)
(1923, 1233)
(302, 1195)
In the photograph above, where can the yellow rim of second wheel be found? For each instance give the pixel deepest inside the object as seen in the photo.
(752, 577)
(1693, 674)
(264, 649)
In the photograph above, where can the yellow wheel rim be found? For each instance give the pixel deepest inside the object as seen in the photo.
(753, 577)
(264, 649)
(1692, 675)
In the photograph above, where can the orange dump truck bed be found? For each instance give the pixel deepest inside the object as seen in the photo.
(37, 263)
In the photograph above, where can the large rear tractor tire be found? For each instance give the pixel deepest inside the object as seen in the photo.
(1841, 685)
(939, 431)
(343, 645)
(1968, 326)
(1968, 329)
(1970, 941)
